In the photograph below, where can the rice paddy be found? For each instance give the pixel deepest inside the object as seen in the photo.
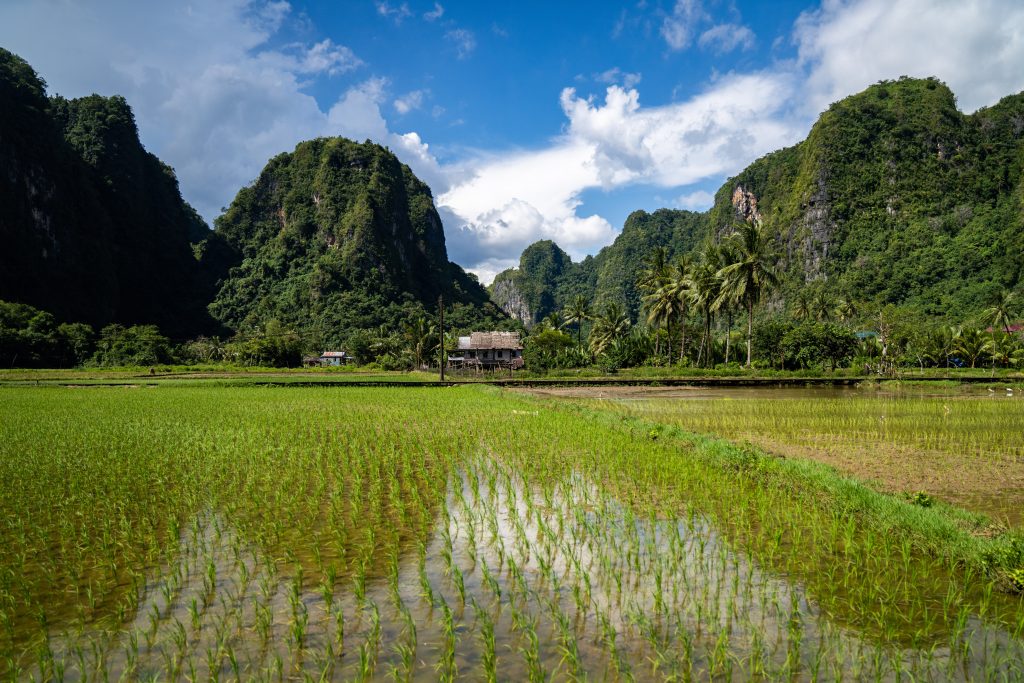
(963, 445)
(253, 533)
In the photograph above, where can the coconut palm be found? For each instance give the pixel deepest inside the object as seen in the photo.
(938, 345)
(609, 325)
(1004, 349)
(727, 300)
(421, 337)
(656, 271)
(753, 269)
(652, 279)
(680, 288)
(801, 307)
(821, 305)
(845, 310)
(706, 286)
(661, 307)
(576, 313)
(1001, 312)
(971, 344)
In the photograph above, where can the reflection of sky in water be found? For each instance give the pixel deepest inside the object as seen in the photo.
(568, 562)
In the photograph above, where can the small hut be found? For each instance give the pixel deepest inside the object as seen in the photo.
(328, 359)
(489, 350)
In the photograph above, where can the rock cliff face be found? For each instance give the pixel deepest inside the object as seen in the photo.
(505, 293)
(815, 231)
(745, 205)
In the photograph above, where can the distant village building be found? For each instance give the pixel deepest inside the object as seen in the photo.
(329, 358)
(487, 350)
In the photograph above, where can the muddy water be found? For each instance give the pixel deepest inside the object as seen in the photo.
(514, 581)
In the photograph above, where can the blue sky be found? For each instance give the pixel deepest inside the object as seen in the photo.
(529, 120)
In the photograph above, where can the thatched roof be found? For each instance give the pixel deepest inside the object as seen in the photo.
(485, 341)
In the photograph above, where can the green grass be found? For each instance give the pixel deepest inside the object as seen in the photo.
(962, 444)
(245, 532)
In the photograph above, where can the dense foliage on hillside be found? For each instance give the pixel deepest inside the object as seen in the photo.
(94, 228)
(333, 237)
(894, 198)
(547, 279)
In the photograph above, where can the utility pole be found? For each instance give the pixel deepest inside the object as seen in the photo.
(440, 308)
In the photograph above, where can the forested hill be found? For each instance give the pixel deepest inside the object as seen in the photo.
(336, 236)
(332, 237)
(93, 227)
(547, 279)
(895, 197)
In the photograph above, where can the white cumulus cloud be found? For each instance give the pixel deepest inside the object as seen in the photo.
(698, 200)
(976, 47)
(616, 76)
(409, 102)
(508, 201)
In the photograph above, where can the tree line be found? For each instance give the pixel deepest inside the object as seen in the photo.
(692, 306)
(697, 309)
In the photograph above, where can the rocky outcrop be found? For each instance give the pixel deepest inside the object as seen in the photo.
(506, 294)
(745, 204)
(815, 231)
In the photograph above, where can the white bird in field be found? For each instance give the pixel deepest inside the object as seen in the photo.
(1009, 391)
(991, 390)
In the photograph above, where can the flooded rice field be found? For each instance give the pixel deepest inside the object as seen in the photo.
(959, 444)
(434, 534)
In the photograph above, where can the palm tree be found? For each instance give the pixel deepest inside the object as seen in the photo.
(1003, 349)
(727, 296)
(680, 288)
(938, 345)
(801, 307)
(576, 313)
(707, 285)
(651, 280)
(822, 306)
(1001, 312)
(609, 325)
(420, 335)
(753, 270)
(845, 310)
(653, 276)
(660, 306)
(971, 344)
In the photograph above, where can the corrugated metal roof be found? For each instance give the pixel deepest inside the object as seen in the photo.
(334, 354)
(479, 341)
